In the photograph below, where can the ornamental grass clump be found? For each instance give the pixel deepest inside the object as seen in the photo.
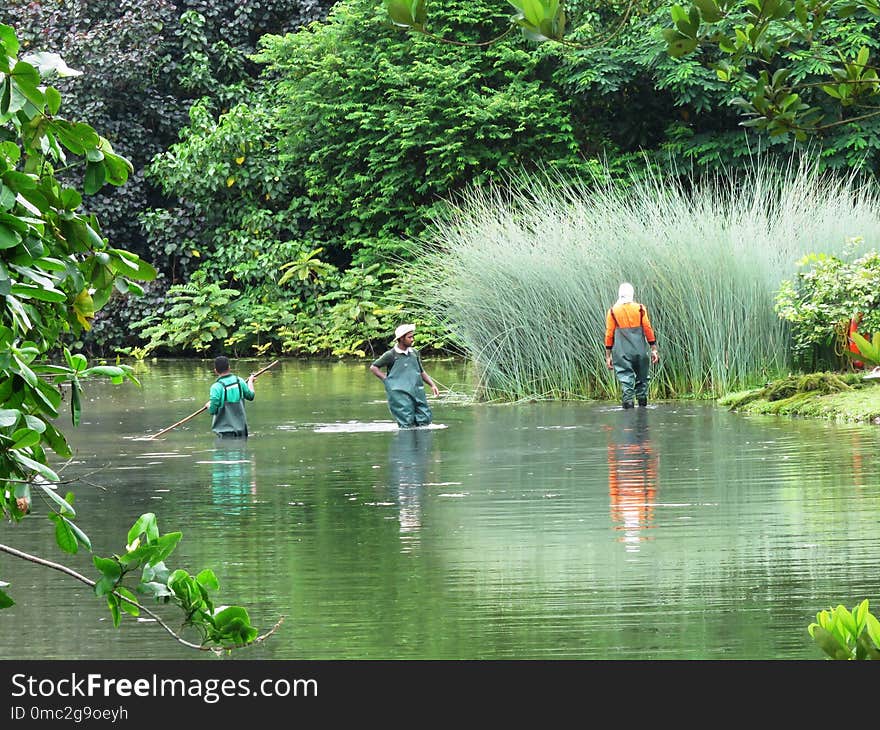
(523, 275)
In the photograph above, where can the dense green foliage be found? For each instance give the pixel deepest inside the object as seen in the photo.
(686, 113)
(56, 271)
(823, 296)
(797, 68)
(351, 147)
(803, 68)
(143, 65)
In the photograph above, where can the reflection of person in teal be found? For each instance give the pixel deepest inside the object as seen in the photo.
(405, 380)
(407, 460)
(233, 480)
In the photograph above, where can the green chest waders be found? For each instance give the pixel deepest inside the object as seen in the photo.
(406, 393)
(632, 362)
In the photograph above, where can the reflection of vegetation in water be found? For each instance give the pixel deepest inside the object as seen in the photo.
(233, 476)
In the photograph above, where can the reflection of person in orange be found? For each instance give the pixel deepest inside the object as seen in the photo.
(632, 477)
(233, 480)
(407, 459)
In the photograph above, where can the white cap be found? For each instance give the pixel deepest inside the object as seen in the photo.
(625, 293)
(403, 329)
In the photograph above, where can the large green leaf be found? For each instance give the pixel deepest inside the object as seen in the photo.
(69, 136)
(9, 417)
(104, 586)
(400, 13)
(35, 424)
(75, 404)
(27, 80)
(116, 374)
(71, 199)
(113, 605)
(872, 627)
(128, 264)
(64, 536)
(94, 179)
(64, 507)
(51, 396)
(36, 466)
(53, 100)
(56, 441)
(230, 614)
(129, 608)
(36, 292)
(166, 545)
(24, 438)
(7, 197)
(8, 237)
(107, 567)
(20, 181)
(116, 169)
(29, 376)
(146, 523)
(8, 42)
(709, 10)
(867, 350)
(207, 579)
(5, 92)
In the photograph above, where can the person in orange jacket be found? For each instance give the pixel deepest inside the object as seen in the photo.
(628, 335)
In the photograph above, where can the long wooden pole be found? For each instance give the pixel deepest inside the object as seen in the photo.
(205, 407)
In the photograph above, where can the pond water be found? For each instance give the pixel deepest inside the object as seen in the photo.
(533, 530)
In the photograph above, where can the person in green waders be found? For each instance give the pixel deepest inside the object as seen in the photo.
(405, 380)
(628, 337)
(228, 394)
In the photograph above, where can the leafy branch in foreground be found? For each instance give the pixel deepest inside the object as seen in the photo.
(844, 635)
(56, 271)
(221, 628)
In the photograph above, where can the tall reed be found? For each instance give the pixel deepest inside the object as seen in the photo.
(522, 275)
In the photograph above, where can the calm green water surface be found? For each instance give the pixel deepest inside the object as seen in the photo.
(536, 530)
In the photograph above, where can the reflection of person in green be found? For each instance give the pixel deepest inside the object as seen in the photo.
(407, 460)
(405, 380)
(233, 480)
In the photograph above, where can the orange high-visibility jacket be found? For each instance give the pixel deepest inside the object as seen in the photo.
(626, 315)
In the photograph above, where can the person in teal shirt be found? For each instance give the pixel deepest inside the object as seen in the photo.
(405, 380)
(228, 394)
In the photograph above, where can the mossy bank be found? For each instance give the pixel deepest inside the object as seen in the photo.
(834, 396)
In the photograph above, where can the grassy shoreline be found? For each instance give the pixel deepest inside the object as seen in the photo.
(838, 397)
